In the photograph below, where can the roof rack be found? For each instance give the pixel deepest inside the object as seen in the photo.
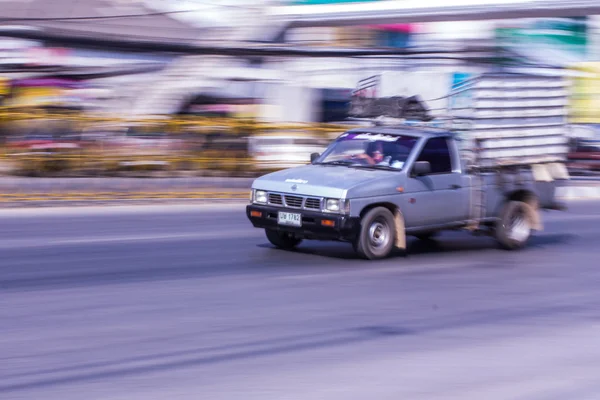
(437, 123)
(394, 107)
(365, 104)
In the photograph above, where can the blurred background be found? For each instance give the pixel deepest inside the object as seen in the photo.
(238, 88)
(102, 88)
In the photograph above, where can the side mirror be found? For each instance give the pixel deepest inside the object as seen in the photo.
(421, 168)
(314, 157)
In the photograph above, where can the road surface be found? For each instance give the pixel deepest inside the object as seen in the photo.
(189, 302)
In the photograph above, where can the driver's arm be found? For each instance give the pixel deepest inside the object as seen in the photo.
(369, 159)
(364, 156)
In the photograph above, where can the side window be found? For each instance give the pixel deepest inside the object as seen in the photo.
(436, 151)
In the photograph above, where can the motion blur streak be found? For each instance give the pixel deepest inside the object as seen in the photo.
(181, 314)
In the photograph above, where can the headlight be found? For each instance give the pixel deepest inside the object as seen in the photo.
(332, 205)
(260, 196)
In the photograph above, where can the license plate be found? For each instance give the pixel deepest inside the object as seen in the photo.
(285, 218)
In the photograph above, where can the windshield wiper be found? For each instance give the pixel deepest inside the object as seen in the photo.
(384, 167)
(337, 162)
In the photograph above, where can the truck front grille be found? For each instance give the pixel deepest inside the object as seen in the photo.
(293, 201)
(276, 199)
(312, 203)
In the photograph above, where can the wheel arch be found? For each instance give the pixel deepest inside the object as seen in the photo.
(399, 225)
(531, 201)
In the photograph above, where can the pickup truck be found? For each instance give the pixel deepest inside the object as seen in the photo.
(372, 187)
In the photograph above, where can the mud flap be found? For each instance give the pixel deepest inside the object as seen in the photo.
(541, 173)
(534, 217)
(400, 231)
(559, 171)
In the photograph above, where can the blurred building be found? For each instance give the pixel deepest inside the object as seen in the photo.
(147, 81)
(566, 42)
(63, 53)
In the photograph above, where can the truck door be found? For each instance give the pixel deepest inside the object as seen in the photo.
(441, 196)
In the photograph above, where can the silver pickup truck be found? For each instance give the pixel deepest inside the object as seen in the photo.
(374, 186)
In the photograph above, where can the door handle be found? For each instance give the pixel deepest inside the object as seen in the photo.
(454, 187)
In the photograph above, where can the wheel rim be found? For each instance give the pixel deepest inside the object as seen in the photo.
(379, 234)
(518, 227)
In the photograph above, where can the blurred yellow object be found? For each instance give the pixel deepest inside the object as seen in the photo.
(4, 86)
(172, 124)
(585, 94)
(42, 140)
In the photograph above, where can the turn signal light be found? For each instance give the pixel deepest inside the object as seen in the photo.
(328, 222)
(256, 214)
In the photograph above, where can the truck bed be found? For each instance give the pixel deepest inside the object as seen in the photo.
(499, 119)
(511, 119)
(498, 185)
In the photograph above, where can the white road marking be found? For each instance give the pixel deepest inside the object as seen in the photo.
(33, 243)
(570, 217)
(120, 209)
(578, 192)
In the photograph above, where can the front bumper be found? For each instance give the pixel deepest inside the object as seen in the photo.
(344, 228)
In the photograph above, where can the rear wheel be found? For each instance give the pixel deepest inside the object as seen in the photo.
(377, 234)
(283, 240)
(514, 228)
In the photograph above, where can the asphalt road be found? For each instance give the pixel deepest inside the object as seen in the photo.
(189, 302)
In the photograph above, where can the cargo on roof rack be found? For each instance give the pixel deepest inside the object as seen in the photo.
(498, 118)
(365, 103)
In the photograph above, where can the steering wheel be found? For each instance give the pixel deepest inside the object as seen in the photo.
(356, 158)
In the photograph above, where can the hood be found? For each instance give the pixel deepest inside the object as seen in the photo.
(320, 180)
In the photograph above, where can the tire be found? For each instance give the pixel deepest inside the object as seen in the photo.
(282, 240)
(377, 234)
(514, 228)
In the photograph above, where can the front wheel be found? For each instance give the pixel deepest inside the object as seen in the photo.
(514, 228)
(377, 234)
(282, 240)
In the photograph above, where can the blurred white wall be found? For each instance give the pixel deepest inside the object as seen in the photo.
(454, 32)
(289, 102)
(594, 38)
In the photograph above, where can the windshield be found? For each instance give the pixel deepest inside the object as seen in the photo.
(369, 150)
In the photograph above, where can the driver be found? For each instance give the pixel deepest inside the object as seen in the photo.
(376, 156)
